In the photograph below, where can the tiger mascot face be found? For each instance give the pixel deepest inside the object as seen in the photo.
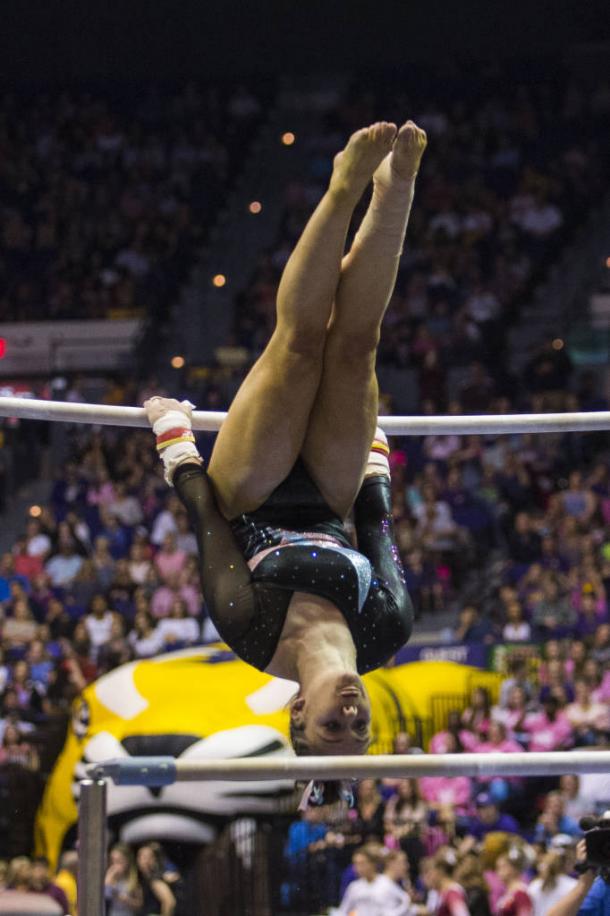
(195, 704)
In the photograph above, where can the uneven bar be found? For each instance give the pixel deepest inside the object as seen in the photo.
(132, 771)
(211, 421)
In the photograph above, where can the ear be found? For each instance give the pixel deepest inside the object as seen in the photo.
(297, 710)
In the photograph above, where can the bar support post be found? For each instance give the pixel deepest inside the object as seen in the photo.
(92, 847)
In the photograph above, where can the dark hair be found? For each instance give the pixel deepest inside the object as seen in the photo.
(299, 743)
(446, 861)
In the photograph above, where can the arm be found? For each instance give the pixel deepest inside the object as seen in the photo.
(345, 907)
(399, 903)
(571, 903)
(457, 906)
(164, 896)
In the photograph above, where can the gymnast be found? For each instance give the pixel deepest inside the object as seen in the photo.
(281, 580)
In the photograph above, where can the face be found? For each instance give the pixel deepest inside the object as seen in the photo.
(504, 870)
(406, 789)
(479, 699)
(496, 733)
(569, 784)
(118, 859)
(517, 698)
(581, 691)
(400, 867)
(11, 735)
(336, 714)
(554, 805)
(553, 650)
(40, 872)
(146, 858)
(363, 866)
(20, 671)
(578, 651)
(432, 876)
(98, 604)
(488, 814)
(367, 788)
(453, 720)
(402, 743)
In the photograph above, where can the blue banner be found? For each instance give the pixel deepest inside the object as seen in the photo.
(476, 654)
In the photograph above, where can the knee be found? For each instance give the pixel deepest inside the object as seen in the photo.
(353, 347)
(304, 344)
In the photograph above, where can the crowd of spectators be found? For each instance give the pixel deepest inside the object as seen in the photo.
(107, 195)
(136, 883)
(103, 573)
(513, 165)
(468, 845)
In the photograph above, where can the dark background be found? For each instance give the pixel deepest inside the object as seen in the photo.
(74, 40)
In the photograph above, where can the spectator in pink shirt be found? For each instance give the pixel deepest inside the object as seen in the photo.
(602, 693)
(514, 714)
(164, 597)
(443, 792)
(549, 729)
(587, 718)
(455, 733)
(477, 716)
(498, 742)
(169, 560)
(446, 792)
(101, 491)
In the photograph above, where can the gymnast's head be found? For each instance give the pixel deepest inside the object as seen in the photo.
(332, 715)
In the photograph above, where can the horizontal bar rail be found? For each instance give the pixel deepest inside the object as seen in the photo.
(157, 771)
(211, 421)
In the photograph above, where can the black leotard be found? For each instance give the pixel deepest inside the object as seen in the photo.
(307, 550)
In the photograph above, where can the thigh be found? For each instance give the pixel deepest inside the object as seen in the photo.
(342, 422)
(263, 434)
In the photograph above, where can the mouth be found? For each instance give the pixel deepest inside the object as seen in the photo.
(352, 691)
(350, 710)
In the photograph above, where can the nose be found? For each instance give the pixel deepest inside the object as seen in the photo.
(350, 711)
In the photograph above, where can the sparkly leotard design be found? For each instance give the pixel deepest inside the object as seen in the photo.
(252, 566)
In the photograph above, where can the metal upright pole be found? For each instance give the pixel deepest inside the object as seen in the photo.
(92, 847)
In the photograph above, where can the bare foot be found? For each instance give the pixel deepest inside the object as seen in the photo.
(157, 407)
(407, 151)
(355, 165)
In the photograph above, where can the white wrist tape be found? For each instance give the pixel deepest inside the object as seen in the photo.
(379, 457)
(176, 449)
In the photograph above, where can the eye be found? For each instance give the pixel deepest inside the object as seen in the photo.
(333, 725)
(361, 725)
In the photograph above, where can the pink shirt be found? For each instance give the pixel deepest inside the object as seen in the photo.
(163, 598)
(438, 742)
(508, 746)
(602, 694)
(168, 564)
(510, 718)
(546, 735)
(452, 902)
(446, 790)
(515, 903)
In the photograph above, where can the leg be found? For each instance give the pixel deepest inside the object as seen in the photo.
(267, 423)
(344, 415)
